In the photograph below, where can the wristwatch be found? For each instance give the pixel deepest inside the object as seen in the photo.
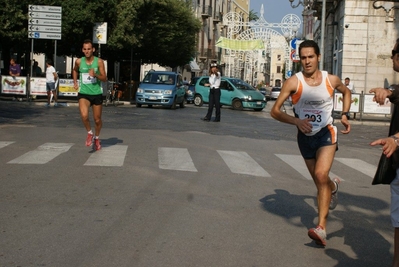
(346, 114)
(396, 139)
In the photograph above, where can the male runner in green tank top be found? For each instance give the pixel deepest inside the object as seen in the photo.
(92, 73)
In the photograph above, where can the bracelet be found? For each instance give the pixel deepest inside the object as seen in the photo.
(396, 139)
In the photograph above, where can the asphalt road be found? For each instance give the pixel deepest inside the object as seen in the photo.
(238, 198)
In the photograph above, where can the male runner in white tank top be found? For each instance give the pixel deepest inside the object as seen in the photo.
(312, 97)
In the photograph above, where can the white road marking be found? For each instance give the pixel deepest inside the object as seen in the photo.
(240, 162)
(175, 159)
(359, 165)
(298, 163)
(5, 143)
(108, 156)
(42, 154)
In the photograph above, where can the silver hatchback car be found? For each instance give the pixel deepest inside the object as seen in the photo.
(275, 92)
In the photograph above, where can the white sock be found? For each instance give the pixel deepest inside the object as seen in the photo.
(97, 137)
(90, 132)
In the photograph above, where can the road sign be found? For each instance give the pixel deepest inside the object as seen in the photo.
(294, 57)
(293, 43)
(289, 73)
(44, 15)
(44, 22)
(55, 9)
(37, 28)
(45, 35)
(100, 33)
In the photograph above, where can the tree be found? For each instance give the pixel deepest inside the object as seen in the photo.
(159, 31)
(253, 15)
(166, 36)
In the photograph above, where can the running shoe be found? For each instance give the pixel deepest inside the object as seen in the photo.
(47, 105)
(55, 104)
(319, 235)
(89, 139)
(334, 194)
(97, 144)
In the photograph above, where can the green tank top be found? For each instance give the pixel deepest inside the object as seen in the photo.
(89, 85)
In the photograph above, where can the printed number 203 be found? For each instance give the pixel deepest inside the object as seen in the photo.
(314, 118)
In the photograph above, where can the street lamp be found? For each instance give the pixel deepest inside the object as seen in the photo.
(308, 4)
(305, 3)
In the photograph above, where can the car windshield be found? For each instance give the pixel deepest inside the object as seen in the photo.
(276, 89)
(240, 84)
(157, 78)
(194, 81)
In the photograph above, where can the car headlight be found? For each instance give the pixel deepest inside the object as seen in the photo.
(249, 98)
(139, 90)
(190, 92)
(167, 92)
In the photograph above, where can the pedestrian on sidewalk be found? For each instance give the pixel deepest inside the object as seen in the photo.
(91, 73)
(15, 71)
(214, 93)
(51, 78)
(312, 97)
(390, 147)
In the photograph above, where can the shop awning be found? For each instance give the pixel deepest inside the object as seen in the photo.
(194, 66)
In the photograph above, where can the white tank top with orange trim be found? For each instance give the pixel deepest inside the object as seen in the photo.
(314, 102)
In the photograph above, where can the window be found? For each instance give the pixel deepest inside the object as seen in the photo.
(278, 57)
(278, 69)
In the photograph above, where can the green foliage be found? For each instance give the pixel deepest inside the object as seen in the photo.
(168, 34)
(158, 31)
(253, 16)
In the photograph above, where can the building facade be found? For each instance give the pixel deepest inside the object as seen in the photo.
(211, 13)
(359, 36)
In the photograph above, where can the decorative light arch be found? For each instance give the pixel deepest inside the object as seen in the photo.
(238, 60)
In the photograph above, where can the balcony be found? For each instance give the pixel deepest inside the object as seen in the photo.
(217, 17)
(206, 11)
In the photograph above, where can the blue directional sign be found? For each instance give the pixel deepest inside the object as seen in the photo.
(293, 43)
(289, 73)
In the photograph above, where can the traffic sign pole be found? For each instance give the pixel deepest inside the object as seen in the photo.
(44, 22)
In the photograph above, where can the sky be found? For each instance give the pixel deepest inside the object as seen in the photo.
(275, 10)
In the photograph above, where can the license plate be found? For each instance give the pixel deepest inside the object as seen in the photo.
(153, 98)
(258, 102)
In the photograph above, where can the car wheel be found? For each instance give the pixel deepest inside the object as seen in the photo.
(173, 106)
(138, 105)
(198, 101)
(237, 104)
(258, 109)
(181, 105)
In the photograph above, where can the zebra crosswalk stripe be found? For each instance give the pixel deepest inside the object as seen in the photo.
(241, 163)
(108, 156)
(297, 162)
(42, 154)
(5, 143)
(359, 165)
(179, 159)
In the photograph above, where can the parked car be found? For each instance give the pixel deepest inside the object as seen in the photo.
(275, 92)
(262, 90)
(161, 88)
(234, 92)
(190, 91)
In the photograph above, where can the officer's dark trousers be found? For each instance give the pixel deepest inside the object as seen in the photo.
(214, 100)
